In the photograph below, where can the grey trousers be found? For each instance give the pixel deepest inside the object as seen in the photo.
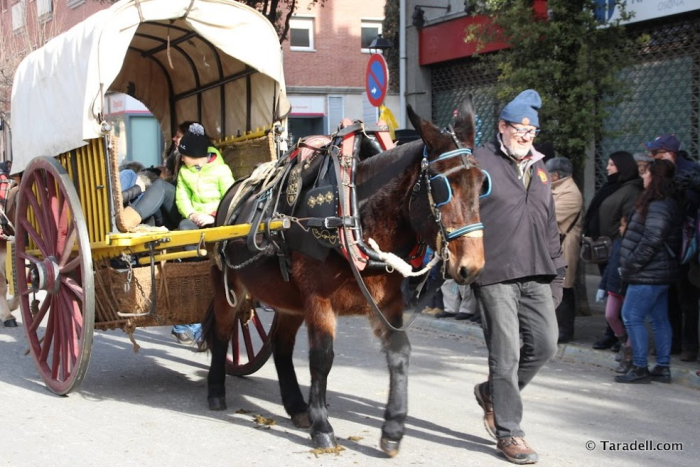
(458, 298)
(510, 310)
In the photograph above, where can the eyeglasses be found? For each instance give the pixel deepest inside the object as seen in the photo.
(523, 132)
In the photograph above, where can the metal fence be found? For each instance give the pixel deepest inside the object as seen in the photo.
(664, 92)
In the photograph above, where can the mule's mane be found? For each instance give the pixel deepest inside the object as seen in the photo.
(389, 164)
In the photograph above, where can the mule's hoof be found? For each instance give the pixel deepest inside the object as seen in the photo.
(301, 420)
(390, 448)
(324, 441)
(10, 323)
(217, 403)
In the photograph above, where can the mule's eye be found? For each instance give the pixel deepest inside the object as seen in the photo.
(485, 185)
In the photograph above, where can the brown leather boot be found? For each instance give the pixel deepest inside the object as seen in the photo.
(517, 451)
(130, 218)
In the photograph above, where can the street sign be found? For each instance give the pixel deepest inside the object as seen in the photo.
(376, 80)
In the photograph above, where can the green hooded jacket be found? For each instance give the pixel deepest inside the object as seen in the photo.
(200, 190)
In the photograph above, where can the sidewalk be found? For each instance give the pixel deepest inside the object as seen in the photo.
(580, 349)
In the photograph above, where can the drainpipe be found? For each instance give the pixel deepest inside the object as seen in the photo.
(402, 64)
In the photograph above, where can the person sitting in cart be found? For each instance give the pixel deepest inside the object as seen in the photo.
(202, 181)
(147, 199)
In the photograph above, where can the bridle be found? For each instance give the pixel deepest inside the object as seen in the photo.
(440, 194)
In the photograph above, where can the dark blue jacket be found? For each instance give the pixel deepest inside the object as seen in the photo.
(651, 246)
(521, 239)
(610, 280)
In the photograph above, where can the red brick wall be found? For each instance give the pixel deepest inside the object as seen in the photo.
(337, 60)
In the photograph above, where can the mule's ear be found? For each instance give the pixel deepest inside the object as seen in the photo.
(464, 122)
(428, 132)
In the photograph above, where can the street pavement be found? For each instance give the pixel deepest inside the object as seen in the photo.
(149, 408)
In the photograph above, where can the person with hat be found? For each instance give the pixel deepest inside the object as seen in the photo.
(568, 203)
(642, 159)
(202, 180)
(514, 288)
(683, 304)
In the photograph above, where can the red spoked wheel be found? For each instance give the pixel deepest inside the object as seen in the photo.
(53, 255)
(251, 344)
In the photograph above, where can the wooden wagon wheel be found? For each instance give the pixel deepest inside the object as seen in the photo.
(53, 255)
(253, 341)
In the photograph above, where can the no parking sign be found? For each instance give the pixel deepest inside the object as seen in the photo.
(376, 80)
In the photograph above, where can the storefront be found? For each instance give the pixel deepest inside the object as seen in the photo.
(664, 84)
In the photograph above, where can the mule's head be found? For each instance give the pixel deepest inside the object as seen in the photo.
(446, 195)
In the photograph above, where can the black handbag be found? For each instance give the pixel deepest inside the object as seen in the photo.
(596, 251)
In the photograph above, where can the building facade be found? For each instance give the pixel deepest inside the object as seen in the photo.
(325, 61)
(664, 83)
(325, 57)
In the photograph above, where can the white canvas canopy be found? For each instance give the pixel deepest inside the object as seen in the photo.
(215, 61)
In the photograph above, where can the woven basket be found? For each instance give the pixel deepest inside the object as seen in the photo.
(184, 291)
(242, 157)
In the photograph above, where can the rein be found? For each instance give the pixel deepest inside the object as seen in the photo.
(445, 235)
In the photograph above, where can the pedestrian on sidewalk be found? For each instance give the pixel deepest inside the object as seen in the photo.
(611, 285)
(684, 295)
(459, 301)
(649, 263)
(614, 200)
(522, 259)
(568, 203)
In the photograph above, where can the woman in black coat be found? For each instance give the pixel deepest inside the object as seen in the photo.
(613, 201)
(649, 263)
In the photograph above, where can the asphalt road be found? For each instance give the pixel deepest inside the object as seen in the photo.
(149, 409)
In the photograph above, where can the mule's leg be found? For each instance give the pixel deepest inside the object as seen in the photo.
(320, 321)
(217, 330)
(282, 350)
(397, 349)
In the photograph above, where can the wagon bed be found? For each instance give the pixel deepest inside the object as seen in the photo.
(214, 61)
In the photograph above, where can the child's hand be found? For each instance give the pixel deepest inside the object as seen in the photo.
(203, 219)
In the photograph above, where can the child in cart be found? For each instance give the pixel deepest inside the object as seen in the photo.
(202, 180)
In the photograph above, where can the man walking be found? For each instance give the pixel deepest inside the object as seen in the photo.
(523, 256)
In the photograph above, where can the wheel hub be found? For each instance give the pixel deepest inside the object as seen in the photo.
(44, 275)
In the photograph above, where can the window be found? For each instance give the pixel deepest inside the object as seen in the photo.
(44, 7)
(301, 34)
(74, 3)
(18, 15)
(370, 30)
(336, 112)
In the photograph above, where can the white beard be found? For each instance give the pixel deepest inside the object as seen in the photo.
(518, 153)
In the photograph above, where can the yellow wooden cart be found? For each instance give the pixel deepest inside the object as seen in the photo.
(214, 61)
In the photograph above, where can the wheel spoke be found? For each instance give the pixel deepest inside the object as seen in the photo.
(41, 212)
(72, 265)
(45, 305)
(68, 249)
(36, 237)
(245, 329)
(235, 347)
(74, 295)
(259, 326)
(71, 334)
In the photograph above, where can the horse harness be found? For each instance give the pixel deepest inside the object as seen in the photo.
(314, 186)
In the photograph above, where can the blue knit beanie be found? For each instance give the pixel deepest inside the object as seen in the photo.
(523, 109)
